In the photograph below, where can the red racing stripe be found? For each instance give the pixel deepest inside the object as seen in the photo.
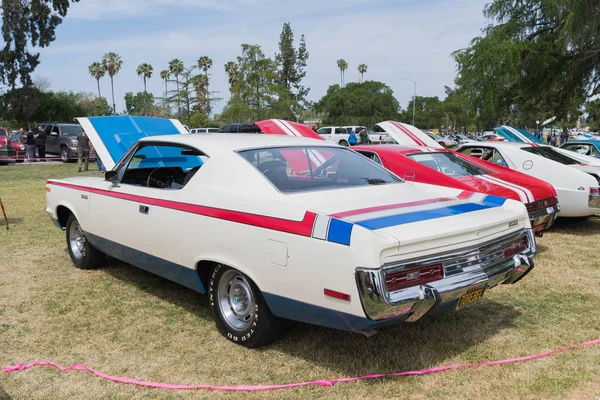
(465, 195)
(302, 228)
(390, 207)
(414, 137)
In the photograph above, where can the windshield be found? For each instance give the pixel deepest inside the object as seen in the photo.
(3, 132)
(447, 163)
(71, 130)
(302, 169)
(551, 154)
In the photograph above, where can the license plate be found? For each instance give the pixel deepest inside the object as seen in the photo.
(471, 297)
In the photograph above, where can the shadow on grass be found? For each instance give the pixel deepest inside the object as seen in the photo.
(423, 344)
(577, 226)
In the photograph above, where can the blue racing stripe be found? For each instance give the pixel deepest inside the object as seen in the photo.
(407, 218)
(339, 231)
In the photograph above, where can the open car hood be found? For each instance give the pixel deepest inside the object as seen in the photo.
(283, 127)
(516, 135)
(408, 135)
(113, 136)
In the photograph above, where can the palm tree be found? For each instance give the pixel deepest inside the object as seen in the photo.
(362, 69)
(343, 66)
(145, 71)
(205, 63)
(176, 68)
(164, 75)
(97, 71)
(112, 63)
(232, 69)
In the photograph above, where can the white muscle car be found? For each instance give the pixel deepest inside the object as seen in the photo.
(345, 244)
(577, 185)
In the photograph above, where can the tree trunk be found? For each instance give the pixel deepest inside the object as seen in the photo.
(145, 84)
(98, 81)
(112, 86)
(341, 78)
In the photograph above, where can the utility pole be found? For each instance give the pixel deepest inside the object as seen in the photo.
(414, 97)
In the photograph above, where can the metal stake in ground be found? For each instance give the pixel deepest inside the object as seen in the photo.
(4, 212)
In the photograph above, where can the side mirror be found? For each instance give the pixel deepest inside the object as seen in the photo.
(112, 176)
(53, 134)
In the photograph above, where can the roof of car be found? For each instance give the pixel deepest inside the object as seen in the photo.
(394, 148)
(596, 141)
(237, 141)
(504, 144)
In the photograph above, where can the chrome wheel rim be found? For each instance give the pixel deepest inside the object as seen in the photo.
(76, 240)
(64, 154)
(236, 300)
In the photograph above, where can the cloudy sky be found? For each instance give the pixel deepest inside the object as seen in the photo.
(396, 38)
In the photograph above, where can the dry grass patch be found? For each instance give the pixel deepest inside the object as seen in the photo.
(127, 322)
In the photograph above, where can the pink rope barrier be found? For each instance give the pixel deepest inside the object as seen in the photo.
(326, 382)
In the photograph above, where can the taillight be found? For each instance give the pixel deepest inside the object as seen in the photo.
(594, 198)
(541, 204)
(594, 191)
(515, 247)
(414, 276)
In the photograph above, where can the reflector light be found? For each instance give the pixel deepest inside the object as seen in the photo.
(414, 276)
(515, 247)
(47, 188)
(337, 295)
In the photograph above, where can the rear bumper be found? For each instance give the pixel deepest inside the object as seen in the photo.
(481, 267)
(543, 219)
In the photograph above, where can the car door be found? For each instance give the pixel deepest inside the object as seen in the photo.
(51, 139)
(325, 133)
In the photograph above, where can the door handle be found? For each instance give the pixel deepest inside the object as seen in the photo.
(144, 209)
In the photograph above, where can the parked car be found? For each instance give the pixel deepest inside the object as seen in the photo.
(241, 128)
(227, 215)
(205, 130)
(374, 137)
(7, 152)
(578, 191)
(585, 147)
(61, 139)
(283, 127)
(15, 143)
(335, 134)
(448, 168)
(493, 137)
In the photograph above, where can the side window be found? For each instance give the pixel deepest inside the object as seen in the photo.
(341, 131)
(162, 166)
(498, 159)
(48, 129)
(324, 131)
(56, 130)
(594, 152)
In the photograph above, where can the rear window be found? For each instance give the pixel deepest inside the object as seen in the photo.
(302, 169)
(551, 154)
(3, 132)
(448, 163)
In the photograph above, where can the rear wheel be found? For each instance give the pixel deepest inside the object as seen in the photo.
(83, 254)
(343, 143)
(239, 309)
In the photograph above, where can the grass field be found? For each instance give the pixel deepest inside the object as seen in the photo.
(127, 322)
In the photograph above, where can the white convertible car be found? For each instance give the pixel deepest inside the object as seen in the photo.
(345, 244)
(577, 186)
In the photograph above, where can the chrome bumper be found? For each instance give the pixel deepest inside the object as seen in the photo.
(464, 270)
(544, 218)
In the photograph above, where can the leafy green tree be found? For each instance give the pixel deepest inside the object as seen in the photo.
(27, 24)
(176, 68)
(112, 63)
(592, 108)
(145, 70)
(93, 106)
(97, 71)
(343, 66)
(232, 70)
(291, 65)
(165, 75)
(365, 103)
(429, 113)
(141, 103)
(457, 108)
(362, 69)
(536, 58)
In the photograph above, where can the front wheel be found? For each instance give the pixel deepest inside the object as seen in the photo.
(83, 254)
(343, 143)
(239, 309)
(64, 154)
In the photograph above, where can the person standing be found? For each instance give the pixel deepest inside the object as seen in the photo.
(98, 160)
(364, 136)
(352, 139)
(83, 150)
(31, 148)
(40, 142)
